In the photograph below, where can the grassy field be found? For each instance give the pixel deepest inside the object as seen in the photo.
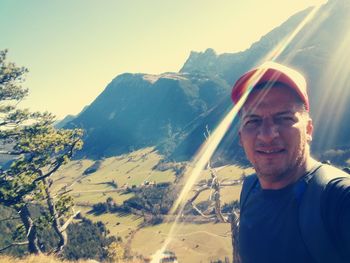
(50, 259)
(119, 225)
(192, 242)
(38, 259)
(125, 170)
(225, 173)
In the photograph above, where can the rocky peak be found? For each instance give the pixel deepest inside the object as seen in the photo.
(201, 61)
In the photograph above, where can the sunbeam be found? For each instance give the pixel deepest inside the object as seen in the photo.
(206, 151)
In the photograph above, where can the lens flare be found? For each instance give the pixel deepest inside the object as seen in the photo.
(283, 45)
(206, 151)
(333, 102)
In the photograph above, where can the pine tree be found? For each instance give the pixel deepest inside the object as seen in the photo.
(36, 150)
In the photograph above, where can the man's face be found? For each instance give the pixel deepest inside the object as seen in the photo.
(275, 133)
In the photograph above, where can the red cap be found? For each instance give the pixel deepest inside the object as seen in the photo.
(269, 73)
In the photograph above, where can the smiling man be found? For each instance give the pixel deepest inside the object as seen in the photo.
(294, 209)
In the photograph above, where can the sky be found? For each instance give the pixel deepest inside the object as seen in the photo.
(73, 49)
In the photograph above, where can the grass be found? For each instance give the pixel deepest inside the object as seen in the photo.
(49, 259)
(225, 173)
(192, 243)
(119, 225)
(126, 170)
(227, 194)
(100, 196)
(35, 259)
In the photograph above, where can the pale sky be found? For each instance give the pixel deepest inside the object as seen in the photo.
(73, 49)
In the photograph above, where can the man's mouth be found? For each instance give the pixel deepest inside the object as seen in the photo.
(270, 151)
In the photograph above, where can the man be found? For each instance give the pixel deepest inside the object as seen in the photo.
(294, 209)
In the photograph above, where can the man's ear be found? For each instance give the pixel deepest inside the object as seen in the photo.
(309, 130)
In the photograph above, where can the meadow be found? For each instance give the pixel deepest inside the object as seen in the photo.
(194, 241)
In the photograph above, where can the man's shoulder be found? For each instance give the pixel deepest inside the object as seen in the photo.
(248, 183)
(325, 180)
(336, 183)
(250, 178)
(326, 174)
(319, 209)
(330, 184)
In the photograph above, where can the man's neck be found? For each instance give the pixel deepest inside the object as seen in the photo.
(288, 179)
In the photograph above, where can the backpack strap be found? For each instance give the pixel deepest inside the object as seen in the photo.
(313, 230)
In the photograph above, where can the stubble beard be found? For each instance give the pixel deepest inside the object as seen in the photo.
(289, 171)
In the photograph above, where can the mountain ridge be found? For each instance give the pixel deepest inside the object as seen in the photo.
(172, 110)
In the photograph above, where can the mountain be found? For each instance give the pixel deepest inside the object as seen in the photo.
(61, 123)
(320, 51)
(173, 110)
(230, 66)
(139, 110)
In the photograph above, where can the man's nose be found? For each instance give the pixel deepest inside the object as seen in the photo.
(267, 131)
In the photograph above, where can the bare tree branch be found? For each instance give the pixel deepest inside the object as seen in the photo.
(198, 191)
(10, 218)
(13, 245)
(66, 224)
(57, 165)
(11, 152)
(200, 212)
(235, 232)
(231, 183)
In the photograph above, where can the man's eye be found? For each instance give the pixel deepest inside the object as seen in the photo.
(285, 119)
(252, 122)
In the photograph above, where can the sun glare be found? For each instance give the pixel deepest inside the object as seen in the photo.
(336, 78)
(206, 151)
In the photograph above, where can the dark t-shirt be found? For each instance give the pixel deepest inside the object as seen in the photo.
(269, 223)
(336, 214)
